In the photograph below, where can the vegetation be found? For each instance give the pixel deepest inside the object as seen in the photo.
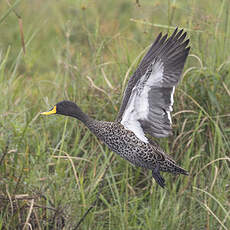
(52, 170)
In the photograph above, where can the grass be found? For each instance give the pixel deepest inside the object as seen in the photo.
(53, 170)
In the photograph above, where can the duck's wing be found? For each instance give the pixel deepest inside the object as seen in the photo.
(148, 98)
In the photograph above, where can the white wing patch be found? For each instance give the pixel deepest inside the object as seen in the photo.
(171, 104)
(138, 106)
(130, 119)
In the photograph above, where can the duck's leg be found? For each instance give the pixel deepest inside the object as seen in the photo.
(157, 176)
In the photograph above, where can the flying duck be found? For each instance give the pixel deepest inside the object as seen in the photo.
(145, 110)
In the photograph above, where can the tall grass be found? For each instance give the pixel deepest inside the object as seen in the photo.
(53, 170)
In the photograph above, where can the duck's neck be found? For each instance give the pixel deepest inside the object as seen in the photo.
(80, 115)
(74, 111)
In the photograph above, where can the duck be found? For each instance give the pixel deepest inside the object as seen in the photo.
(145, 111)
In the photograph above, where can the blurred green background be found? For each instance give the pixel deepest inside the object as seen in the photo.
(52, 170)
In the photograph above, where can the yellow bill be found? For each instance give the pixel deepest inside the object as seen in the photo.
(52, 111)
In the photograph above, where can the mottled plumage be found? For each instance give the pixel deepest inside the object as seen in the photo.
(145, 108)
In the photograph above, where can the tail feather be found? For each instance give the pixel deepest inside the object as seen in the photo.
(170, 166)
(179, 170)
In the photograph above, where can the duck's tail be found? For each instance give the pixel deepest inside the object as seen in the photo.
(179, 170)
(171, 167)
(175, 169)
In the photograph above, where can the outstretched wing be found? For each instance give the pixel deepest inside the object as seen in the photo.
(148, 98)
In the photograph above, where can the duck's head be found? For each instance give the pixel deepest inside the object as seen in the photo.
(66, 108)
(63, 108)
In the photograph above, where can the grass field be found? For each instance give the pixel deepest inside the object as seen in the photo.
(53, 170)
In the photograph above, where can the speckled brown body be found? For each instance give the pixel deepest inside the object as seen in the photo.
(127, 145)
